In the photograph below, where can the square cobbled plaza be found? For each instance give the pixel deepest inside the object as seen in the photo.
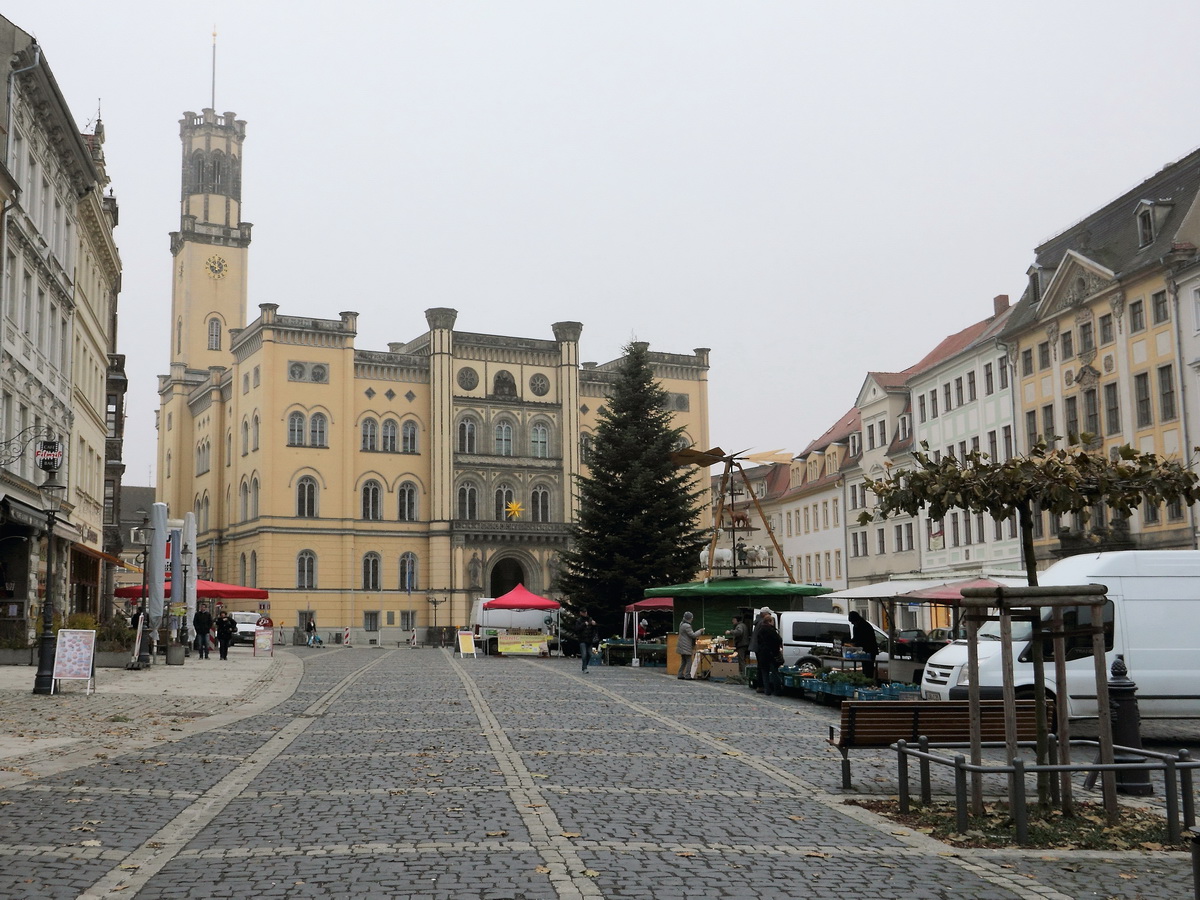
(415, 773)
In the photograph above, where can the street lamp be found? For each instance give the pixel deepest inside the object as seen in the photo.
(435, 601)
(144, 643)
(52, 499)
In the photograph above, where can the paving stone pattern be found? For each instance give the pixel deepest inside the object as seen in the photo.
(412, 773)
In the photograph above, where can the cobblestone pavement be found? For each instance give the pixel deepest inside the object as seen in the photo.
(413, 773)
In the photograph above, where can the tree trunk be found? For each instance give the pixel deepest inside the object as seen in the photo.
(1025, 522)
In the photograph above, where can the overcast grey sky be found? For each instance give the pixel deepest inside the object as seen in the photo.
(813, 190)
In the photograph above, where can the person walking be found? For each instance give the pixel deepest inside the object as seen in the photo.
(226, 629)
(686, 646)
(862, 636)
(310, 628)
(770, 655)
(587, 636)
(202, 621)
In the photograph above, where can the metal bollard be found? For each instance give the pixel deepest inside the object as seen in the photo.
(1126, 731)
(1196, 862)
(902, 774)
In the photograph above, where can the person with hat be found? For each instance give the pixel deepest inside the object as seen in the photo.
(686, 646)
(739, 636)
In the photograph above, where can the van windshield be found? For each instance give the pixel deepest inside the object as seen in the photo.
(1077, 623)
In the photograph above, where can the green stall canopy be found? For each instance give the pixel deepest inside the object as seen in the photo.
(762, 588)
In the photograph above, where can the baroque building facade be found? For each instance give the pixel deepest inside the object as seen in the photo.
(376, 490)
(59, 375)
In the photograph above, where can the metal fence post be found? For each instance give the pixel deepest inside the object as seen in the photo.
(1018, 801)
(1171, 792)
(960, 794)
(902, 774)
(926, 789)
(1185, 783)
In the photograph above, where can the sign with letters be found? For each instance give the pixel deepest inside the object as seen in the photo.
(48, 455)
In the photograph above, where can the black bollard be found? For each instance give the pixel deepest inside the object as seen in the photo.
(1126, 731)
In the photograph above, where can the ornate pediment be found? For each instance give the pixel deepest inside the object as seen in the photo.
(1077, 280)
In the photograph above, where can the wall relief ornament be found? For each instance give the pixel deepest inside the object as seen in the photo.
(1069, 377)
(1109, 364)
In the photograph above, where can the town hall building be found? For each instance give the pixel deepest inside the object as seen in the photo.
(381, 490)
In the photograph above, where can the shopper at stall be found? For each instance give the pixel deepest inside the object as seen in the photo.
(642, 631)
(862, 636)
(739, 636)
(686, 646)
(770, 655)
(753, 648)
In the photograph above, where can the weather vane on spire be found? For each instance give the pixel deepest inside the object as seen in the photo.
(213, 101)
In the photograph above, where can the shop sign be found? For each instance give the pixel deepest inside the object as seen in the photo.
(48, 455)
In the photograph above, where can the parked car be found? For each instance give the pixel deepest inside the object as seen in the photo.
(246, 623)
(947, 635)
(916, 645)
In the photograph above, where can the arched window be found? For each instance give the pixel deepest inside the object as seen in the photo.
(408, 572)
(204, 514)
(197, 172)
(253, 568)
(179, 336)
(168, 463)
(390, 436)
(466, 436)
(539, 441)
(504, 496)
(408, 437)
(468, 501)
(254, 429)
(254, 499)
(585, 448)
(229, 446)
(245, 437)
(306, 497)
(306, 570)
(370, 434)
(504, 439)
(539, 505)
(214, 334)
(244, 501)
(370, 572)
(242, 569)
(318, 430)
(408, 502)
(218, 171)
(372, 501)
(296, 429)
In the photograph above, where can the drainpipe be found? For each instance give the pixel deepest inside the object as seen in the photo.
(1173, 291)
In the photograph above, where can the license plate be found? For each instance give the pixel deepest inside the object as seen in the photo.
(930, 695)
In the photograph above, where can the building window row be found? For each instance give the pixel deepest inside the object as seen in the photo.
(503, 505)
(504, 438)
(389, 437)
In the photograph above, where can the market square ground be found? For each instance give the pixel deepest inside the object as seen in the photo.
(413, 773)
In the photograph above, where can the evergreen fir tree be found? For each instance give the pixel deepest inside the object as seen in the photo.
(638, 513)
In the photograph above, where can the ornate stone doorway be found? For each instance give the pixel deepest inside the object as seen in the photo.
(506, 575)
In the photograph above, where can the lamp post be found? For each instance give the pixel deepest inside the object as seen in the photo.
(143, 661)
(435, 601)
(52, 498)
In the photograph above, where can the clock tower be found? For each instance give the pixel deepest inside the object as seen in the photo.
(209, 251)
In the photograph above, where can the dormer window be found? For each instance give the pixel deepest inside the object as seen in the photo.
(1145, 222)
(855, 443)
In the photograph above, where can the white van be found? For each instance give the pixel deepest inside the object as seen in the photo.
(809, 635)
(1152, 618)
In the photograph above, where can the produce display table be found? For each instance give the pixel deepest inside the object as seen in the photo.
(620, 652)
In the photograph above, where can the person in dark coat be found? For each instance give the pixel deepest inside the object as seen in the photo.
(686, 646)
(862, 636)
(739, 636)
(226, 629)
(202, 621)
(587, 637)
(753, 648)
(770, 655)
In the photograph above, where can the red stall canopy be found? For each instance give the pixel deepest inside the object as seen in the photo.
(520, 598)
(205, 590)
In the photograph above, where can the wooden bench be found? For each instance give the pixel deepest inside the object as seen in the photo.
(880, 723)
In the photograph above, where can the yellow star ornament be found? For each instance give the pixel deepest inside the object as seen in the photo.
(514, 509)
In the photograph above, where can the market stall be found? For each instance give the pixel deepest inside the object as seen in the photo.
(516, 641)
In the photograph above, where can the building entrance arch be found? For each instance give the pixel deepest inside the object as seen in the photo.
(506, 575)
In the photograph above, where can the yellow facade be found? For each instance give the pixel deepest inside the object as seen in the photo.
(369, 489)
(1102, 360)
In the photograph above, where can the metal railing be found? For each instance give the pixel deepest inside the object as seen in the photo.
(1176, 769)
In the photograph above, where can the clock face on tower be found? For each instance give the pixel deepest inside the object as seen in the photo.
(217, 267)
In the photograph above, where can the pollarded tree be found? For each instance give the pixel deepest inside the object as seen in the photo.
(1060, 481)
(638, 514)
